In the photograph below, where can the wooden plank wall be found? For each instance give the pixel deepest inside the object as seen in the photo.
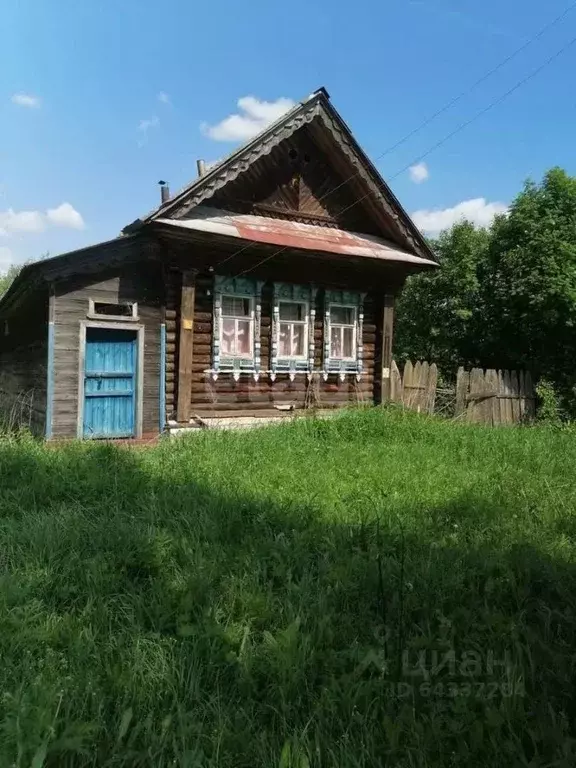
(246, 395)
(23, 359)
(495, 397)
(141, 283)
(484, 397)
(415, 388)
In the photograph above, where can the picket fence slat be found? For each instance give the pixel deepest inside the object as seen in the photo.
(493, 404)
(431, 388)
(462, 387)
(515, 402)
(396, 389)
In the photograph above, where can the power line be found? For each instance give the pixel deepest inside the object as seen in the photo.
(425, 123)
(446, 138)
(473, 87)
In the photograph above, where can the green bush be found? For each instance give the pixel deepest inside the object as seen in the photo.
(548, 409)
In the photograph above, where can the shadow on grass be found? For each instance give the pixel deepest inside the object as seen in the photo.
(148, 620)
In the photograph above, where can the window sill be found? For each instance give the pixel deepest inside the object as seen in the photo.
(235, 372)
(112, 318)
(256, 375)
(341, 373)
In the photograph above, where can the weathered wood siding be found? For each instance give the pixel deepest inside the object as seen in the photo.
(225, 394)
(140, 282)
(23, 363)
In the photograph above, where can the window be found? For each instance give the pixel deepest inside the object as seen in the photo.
(237, 326)
(342, 332)
(293, 329)
(122, 310)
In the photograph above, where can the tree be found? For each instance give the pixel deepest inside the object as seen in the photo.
(8, 278)
(14, 270)
(437, 313)
(529, 283)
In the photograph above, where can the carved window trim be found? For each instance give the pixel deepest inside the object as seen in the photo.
(292, 365)
(245, 288)
(343, 366)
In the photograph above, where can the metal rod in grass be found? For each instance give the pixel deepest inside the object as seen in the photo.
(378, 504)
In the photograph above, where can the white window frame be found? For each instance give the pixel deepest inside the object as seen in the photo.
(354, 327)
(305, 323)
(250, 318)
(93, 315)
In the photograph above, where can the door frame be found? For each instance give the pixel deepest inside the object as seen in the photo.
(136, 328)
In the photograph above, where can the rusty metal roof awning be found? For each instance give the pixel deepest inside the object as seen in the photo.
(291, 234)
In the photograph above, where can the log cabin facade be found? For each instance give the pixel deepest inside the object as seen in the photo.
(264, 287)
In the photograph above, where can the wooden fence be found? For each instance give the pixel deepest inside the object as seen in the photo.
(416, 387)
(494, 397)
(489, 397)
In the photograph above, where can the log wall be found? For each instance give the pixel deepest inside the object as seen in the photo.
(224, 394)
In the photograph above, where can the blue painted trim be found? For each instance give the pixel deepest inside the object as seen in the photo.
(50, 381)
(162, 378)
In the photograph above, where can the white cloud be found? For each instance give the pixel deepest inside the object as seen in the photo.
(20, 221)
(419, 173)
(163, 98)
(253, 116)
(65, 215)
(6, 258)
(26, 100)
(144, 126)
(479, 211)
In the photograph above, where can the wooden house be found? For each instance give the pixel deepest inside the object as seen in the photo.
(265, 286)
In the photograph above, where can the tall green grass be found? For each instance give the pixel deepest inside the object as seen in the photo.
(376, 589)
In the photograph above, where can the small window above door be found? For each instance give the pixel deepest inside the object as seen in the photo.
(117, 311)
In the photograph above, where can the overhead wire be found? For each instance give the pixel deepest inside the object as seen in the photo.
(452, 102)
(435, 146)
(445, 108)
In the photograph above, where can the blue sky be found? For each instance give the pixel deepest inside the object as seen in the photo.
(100, 99)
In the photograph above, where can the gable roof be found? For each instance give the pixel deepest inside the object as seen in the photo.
(316, 111)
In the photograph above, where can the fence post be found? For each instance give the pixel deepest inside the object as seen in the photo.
(431, 385)
(395, 383)
(462, 385)
(407, 382)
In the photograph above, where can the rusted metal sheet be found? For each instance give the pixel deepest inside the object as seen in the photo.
(291, 234)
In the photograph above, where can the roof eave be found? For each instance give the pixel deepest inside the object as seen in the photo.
(46, 270)
(202, 234)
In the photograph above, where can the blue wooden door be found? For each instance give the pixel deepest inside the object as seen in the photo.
(110, 383)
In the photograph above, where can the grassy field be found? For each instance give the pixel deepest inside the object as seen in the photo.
(378, 589)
